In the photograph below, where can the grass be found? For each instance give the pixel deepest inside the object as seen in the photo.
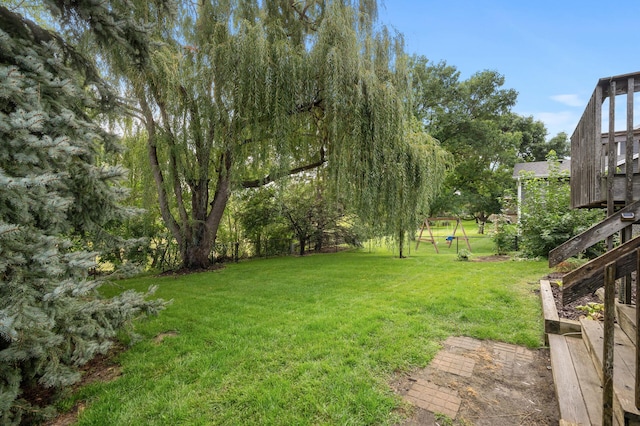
(311, 340)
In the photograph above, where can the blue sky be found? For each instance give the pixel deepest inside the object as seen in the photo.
(552, 52)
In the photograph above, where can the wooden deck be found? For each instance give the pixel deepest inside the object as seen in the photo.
(576, 362)
(605, 172)
(595, 152)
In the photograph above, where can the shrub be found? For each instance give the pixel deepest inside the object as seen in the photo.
(464, 255)
(546, 219)
(504, 236)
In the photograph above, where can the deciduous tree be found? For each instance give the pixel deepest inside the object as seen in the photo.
(469, 119)
(237, 94)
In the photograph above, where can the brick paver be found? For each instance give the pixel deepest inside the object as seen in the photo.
(458, 358)
(509, 353)
(434, 398)
(452, 363)
(510, 358)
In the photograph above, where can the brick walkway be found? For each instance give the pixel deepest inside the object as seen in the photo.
(458, 358)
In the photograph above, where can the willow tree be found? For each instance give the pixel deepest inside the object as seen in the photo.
(235, 95)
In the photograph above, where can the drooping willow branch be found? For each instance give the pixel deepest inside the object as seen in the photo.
(256, 183)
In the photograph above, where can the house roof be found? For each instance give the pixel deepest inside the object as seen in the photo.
(540, 169)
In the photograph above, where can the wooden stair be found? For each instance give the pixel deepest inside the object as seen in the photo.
(576, 363)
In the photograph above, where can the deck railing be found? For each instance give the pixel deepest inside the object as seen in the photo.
(605, 171)
(594, 153)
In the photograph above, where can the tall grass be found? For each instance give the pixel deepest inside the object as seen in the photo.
(310, 340)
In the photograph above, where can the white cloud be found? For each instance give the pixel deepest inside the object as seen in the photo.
(555, 122)
(570, 100)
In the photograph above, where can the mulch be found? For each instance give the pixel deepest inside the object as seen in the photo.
(570, 310)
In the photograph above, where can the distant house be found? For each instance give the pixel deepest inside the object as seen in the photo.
(536, 169)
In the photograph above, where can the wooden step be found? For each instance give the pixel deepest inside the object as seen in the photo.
(576, 380)
(552, 323)
(624, 408)
(626, 316)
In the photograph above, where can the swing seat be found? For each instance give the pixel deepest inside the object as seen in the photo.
(450, 238)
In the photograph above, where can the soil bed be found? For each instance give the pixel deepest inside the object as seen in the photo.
(570, 310)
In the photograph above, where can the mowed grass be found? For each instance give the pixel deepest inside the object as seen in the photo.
(309, 340)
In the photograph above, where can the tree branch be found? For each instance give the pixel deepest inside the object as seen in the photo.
(173, 161)
(14, 23)
(256, 183)
(302, 15)
(158, 177)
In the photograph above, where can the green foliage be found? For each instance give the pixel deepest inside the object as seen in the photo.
(443, 420)
(145, 228)
(236, 95)
(593, 311)
(262, 224)
(464, 255)
(504, 235)
(470, 119)
(298, 208)
(546, 217)
(55, 196)
(308, 214)
(534, 145)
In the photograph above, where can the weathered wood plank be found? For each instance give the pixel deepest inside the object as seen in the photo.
(624, 374)
(588, 379)
(619, 185)
(568, 326)
(637, 334)
(586, 154)
(570, 401)
(626, 317)
(629, 145)
(607, 349)
(549, 311)
(553, 324)
(589, 277)
(593, 235)
(611, 155)
(625, 284)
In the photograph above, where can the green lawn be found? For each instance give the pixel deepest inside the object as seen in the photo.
(310, 340)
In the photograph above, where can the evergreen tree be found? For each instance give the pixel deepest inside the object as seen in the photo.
(55, 196)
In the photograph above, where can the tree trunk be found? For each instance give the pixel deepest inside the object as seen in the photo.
(196, 256)
(401, 243)
(481, 219)
(303, 242)
(195, 251)
(319, 240)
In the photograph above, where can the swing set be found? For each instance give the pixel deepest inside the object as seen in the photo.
(449, 239)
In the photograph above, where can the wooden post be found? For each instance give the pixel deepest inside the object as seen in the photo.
(611, 154)
(466, 238)
(637, 393)
(432, 240)
(607, 356)
(625, 294)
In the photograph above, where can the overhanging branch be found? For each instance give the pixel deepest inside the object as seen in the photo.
(256, 183)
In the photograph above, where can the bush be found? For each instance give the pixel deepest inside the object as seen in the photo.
(464, 255)
(546, 219)
(504, 236)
